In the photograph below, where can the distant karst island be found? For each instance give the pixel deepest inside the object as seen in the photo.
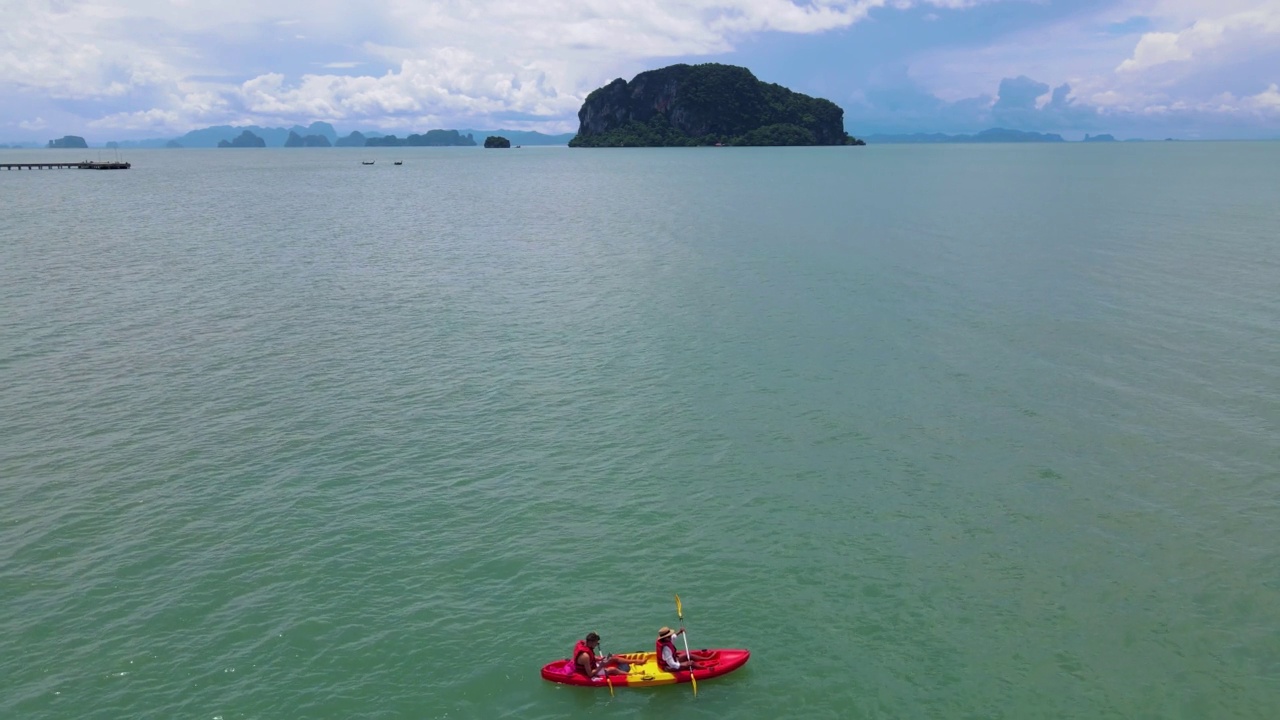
(496, 141)
(245, 139)
(296, 140)
(707, 104)
(68, 141)
(318, 133)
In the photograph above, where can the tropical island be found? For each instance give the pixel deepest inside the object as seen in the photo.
(708, 104)
(496, 141)
(245, 139)
(68, 141)
(296, 140)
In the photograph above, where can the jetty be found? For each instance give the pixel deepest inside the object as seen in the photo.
(82, 165)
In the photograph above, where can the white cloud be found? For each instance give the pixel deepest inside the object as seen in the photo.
(1154, 49)
(1180, 59)
(1268, 99)
(1218, 34)
(170, 65)
(446, 58)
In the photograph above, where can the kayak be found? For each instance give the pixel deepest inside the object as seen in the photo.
(645, 672)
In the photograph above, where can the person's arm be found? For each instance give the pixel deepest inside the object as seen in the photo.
(680, 653)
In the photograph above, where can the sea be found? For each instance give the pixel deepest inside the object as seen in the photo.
(959, 431)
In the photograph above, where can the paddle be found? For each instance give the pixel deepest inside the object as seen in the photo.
(607, 679)
(688, 655)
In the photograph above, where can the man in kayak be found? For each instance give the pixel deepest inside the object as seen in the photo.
(586, 661)
(671, 659)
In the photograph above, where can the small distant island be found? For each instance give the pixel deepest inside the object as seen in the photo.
(496, 141)
(708, 104)
(295, 140)
(245, 139)
(1105, 137)
(355, 139)
(68, 141)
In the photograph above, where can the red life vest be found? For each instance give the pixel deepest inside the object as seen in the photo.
(666, 642)
(578, 649)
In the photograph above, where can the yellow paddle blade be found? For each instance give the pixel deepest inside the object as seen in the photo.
(679, 613)
(693, 680)
(610, 681)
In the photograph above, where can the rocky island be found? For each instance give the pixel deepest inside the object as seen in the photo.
(496, 141)
(245, 139)
(296, 140)
(68, 141)
(707, 104)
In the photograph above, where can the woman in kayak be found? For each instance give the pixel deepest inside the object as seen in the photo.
(586, 661)
(671, 659)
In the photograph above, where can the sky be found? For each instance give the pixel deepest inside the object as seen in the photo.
(134, 69)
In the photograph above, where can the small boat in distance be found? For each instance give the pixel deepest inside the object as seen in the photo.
(399, 162)
(367, 162)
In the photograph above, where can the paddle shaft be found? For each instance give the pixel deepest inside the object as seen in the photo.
(687, 655)
(604, 665)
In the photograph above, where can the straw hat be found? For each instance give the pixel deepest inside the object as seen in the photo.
(665, 632)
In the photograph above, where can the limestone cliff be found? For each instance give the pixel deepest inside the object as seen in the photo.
(705, 105)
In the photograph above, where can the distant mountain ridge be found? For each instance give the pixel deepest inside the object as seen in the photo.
(993, 135)
(431, 138)
(280, 137)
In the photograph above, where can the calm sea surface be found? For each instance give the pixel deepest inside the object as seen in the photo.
(936, 432)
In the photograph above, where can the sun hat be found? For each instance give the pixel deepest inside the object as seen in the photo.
(664, 632)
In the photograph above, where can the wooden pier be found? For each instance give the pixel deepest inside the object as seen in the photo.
(82, 165)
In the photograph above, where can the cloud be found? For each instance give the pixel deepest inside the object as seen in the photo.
(1217, 35)
(170, 65)
(1144, 67)
(1023, 103)
(1268, 99)
(1154, 49)
(1019, 93)
(900, 105)
(436, 59)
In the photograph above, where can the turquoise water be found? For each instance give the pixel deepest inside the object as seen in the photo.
(955, 431)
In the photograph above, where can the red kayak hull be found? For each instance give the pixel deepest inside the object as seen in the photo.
(644, 670)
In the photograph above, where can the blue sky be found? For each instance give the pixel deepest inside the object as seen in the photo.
(129, 69)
